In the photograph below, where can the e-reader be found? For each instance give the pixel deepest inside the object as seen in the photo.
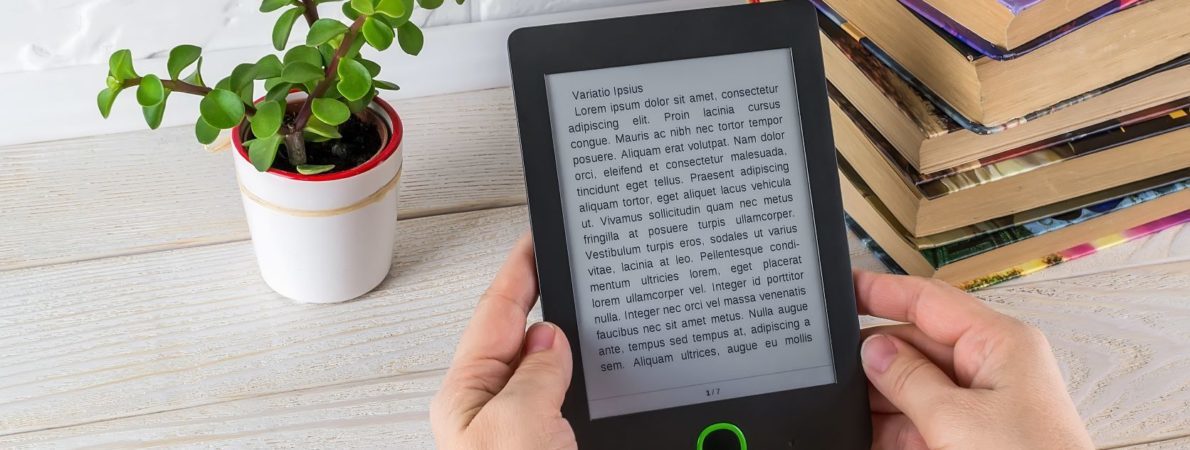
(684, 199)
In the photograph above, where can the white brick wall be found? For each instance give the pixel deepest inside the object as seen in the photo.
(49, 34)
(53, 53)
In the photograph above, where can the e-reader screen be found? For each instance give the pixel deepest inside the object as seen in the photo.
(690, 231)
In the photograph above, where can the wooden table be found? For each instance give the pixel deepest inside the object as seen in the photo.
(132, 314)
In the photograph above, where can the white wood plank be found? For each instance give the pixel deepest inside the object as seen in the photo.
(1178, 443)
(133, 335)
(188, 347)
(1121, 338)
(148, 191)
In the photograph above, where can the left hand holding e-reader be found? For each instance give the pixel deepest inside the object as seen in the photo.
(689, 229)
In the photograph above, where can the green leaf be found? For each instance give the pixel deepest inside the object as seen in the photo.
(205, 133)
(150, 92)
(373, 68)
(358, 106)
(242, 76)
(316, 127)
(273, 5)
(303, 53)
(331, 112)
(262, 152)
(196, 77)
(365, 7)
(222, 109)
(107, 97)
(267, 120)
(356, 46)
(182, 57)
(431, 4)
(410, 37)
(324, 30)
(404, 18)
(308, 169)
(154, 114)
(381, 84)
(120, 65)
(114, 84)
(301, 72)
(354, 79)
(270, 83)
(246, 93)
(284, 27)
(350, 12)
(378, 34)
(268, 67)
(392, 8)
(279, 92)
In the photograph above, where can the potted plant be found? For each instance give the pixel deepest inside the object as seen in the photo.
(318, 156)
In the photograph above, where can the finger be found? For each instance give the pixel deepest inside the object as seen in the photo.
(941, 311)
(940, 354)
(492, 342)
(879, 404)
(498, 326)
(906, 378)
(541, 380)
(895, 432)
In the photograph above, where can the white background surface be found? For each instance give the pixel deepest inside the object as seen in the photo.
(50, 34)
(53, 53)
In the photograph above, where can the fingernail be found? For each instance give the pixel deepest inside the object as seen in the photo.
(540, 338)
(878, 353)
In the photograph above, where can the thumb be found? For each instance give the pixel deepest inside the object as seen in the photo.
(909, 380)
(541, 379)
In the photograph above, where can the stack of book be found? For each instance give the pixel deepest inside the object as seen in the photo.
(982, 140)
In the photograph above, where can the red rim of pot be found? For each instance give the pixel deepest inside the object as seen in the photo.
(389, 149)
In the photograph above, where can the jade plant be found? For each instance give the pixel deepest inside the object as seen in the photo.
(328, 67)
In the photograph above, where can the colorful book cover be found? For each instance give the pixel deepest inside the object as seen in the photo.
(1089, 140)
(944, 23)
(1165, 118)
(1121, 131)
(946, 248)
(1076, 252)
(1036, 265)
(949, 254)
(1142, 187)
(829, 16)
(928, 118)
(872, 246)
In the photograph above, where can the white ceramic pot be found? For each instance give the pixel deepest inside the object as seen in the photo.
(324, 238)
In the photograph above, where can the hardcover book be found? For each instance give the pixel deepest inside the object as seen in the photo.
(934, 143)
(997, 262)
(1006, 29)
(995, 93)
(865, 149)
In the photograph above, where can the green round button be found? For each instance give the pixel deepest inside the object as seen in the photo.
(722, 426)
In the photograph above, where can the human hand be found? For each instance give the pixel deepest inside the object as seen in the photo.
(959, 374)
(504, 389)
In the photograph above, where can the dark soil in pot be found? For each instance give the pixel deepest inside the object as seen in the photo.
(360, 142)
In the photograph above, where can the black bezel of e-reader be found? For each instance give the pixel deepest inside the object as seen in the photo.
(829, 416)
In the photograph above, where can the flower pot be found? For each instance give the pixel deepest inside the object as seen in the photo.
(324, 238)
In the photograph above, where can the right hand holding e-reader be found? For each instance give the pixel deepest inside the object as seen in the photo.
(689, 230)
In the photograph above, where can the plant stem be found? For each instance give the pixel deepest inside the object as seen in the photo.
(311, 11)
(185, 88)
(295, 144)
(303, 116)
